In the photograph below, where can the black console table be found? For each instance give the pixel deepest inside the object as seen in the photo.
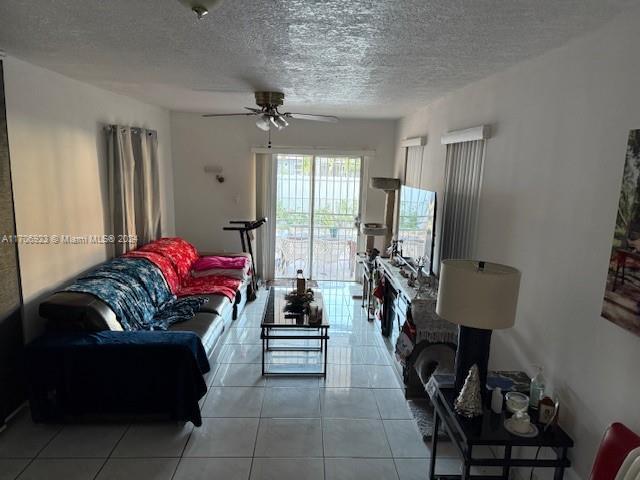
(488, 430)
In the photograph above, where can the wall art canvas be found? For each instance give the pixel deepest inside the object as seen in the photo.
(622, 294)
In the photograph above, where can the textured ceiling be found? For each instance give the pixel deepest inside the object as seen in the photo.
(365, 58)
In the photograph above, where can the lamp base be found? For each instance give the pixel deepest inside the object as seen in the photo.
(474, 345)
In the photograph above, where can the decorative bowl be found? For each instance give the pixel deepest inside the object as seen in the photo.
(516, 402)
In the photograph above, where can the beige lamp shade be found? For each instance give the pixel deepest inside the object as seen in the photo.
(478, 294)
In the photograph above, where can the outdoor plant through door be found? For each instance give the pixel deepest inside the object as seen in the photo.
(317, 215)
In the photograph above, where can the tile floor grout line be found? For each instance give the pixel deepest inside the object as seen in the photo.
(24, 468)
(324, 461)
(175, 470)
(111, 452)
(33, 459)
(49, 441)
(184, 448)
(255, 440)
(220, 347)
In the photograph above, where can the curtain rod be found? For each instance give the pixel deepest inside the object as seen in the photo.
(133, 129)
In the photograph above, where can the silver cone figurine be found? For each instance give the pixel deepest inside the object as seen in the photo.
(469, 401)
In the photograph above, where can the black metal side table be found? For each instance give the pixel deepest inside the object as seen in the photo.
(488, 430)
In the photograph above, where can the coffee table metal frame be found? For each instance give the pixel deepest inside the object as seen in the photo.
(292, 331)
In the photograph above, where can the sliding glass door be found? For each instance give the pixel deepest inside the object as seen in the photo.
(293, 214)
(317, 215)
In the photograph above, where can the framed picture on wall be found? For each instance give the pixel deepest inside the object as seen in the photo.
(622, 294)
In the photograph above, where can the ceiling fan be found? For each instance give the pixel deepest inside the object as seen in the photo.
(269, 115)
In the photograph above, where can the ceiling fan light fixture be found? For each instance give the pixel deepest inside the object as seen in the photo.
(275, 123)
(281, 121)
(263, 123)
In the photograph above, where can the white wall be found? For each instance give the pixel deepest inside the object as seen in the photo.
(549, 200)
(58, 153)
(203, 206)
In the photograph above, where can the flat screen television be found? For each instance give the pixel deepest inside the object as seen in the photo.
(417, 224)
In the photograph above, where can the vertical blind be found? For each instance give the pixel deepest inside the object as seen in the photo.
(413, 166)
(463, 181)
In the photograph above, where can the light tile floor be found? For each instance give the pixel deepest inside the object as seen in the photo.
(355, 424)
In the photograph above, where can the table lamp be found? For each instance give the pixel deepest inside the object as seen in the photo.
(479, 297)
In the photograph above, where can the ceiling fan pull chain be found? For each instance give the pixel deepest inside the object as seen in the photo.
(269, 144)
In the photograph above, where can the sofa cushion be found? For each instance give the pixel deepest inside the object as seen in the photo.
(208, 326)
(75, 311)
(217, 304)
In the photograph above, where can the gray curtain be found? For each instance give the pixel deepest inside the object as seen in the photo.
(265, 207)
(134, 187)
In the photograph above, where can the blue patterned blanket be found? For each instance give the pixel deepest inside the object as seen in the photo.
(138, 294)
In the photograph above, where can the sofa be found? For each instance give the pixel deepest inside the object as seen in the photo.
(95, 361)
(78, 311)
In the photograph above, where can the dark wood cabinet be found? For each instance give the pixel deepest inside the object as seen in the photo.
(389, 308)
(396, 302)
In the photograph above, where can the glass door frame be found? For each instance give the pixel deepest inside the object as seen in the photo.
(357, 220)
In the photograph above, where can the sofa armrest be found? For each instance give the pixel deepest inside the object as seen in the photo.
(75, 311)
(109, 340)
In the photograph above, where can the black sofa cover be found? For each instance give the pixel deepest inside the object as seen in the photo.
(131, 373)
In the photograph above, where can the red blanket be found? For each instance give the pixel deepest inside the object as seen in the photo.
(178, 251)
(175, 258)
(211, 284)
(165, 266)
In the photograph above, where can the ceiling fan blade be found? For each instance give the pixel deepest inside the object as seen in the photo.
(230, 114)
(254, 110)
(308, 116)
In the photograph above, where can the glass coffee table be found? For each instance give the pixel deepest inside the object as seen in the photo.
(299, 334)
